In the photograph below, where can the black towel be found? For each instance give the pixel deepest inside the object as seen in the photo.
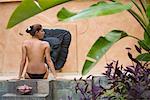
(59, 41)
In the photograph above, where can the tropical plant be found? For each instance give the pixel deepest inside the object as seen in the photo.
(103, 43)
(29, 8)
(133, 82)
(124, 83)
(87, 89)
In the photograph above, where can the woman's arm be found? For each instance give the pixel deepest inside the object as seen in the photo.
(23, 60)
(49, 61)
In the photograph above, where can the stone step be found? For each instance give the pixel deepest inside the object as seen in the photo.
(36, 96)
(65, 89)
(60, 89)
(38, 86)
(13, 84)
(40, 91)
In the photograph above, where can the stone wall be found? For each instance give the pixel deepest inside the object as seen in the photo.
(45, 89)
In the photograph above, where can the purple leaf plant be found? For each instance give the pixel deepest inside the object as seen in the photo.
(126, 83)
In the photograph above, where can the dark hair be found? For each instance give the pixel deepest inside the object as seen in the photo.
(32, 29)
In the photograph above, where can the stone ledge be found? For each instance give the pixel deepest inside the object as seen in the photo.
(36, 96)
(53, 89)
(16, 95)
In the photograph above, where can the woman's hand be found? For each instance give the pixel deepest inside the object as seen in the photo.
(19, 78)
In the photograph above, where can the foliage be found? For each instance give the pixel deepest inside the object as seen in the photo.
(101, 46)
(101, 8)
(107, 8)
(83, 87)
(29, 8)
(131, 82)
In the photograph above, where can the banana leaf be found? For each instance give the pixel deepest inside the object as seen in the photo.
(143, 57)
(144, 45)
(148, 11)
(100, 47)
(99, 9)
(29, 8)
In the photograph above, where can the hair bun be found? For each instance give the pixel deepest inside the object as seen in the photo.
(29, 29)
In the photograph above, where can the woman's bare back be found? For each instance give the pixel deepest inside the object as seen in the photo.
(36, 51)
(36, 56)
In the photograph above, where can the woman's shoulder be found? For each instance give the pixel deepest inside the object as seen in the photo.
(26, 42)
(45, 43)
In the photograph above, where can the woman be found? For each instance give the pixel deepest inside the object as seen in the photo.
(35, 51)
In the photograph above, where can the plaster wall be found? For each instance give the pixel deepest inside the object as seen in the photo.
(84, 33)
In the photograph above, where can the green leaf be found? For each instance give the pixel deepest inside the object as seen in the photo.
(99, 9)
(144, 57)
(144, 45)
(64, 13)
(109, 92)
(147, 40)
(26, 9)
(29, 8)
(100, 47)
(139, 8)
(86, 67)
(138, 18)
(147, 37)
(148, 30)
(148, 12)
(99, 3)
(143, 2)
(46, 4)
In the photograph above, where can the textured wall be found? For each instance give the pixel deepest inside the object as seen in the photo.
(84, 33)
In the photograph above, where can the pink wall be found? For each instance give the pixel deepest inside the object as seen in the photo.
(84, 33)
